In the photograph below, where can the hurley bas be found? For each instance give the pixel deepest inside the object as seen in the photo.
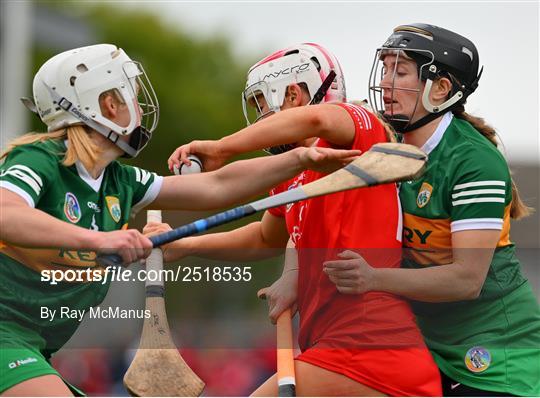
(93, 313)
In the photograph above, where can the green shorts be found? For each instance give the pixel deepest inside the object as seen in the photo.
(21, 357)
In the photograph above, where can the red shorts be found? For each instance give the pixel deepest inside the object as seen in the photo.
(396, 372)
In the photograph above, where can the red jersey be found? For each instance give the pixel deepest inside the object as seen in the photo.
(350, 333)
(366, 220)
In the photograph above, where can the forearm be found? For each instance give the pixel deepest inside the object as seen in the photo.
(472, 252)
(239, 181)
(292, 125)
(243, 179)
(242, 244)
(25, 226)
(232, 184)
(291, 258)
(443, 283)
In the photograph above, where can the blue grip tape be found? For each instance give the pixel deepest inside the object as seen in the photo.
(109, 260)
(201, 225)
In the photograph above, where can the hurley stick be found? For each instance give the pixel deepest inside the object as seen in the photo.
(285, 356)
(382, 164)
(158, 369)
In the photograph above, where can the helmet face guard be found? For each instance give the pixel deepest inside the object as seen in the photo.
(138, 139)
(308, 64)
(438, 53)
(141, 101)
(144, 95)
(398, 121)
(258, 101)
(146, 100)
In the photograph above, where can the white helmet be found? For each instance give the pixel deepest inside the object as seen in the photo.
(67, 89)
(307, 63)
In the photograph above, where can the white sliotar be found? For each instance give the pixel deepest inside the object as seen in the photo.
(195, 167)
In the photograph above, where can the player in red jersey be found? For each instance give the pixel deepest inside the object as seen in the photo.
(360, 345)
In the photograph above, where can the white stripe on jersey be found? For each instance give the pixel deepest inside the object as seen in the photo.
(477, 200)
(32, 173)
(479, 184)
(476, 223)
(365, 117)
(479, 192)
(26, 175)
(137, 174)
(142, 176)
(145, 176)
(361, 114)
(151, 194)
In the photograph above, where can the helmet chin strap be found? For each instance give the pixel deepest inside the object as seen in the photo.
(401, 123)
(419, 123)
(440, 110)
(398, 122)
(139, 135)
(435, 110)
(321, 92)
(135, 136)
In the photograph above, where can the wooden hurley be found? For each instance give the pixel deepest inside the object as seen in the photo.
(158, 369)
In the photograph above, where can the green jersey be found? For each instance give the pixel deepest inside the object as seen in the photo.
(493, 342)
(35, 172)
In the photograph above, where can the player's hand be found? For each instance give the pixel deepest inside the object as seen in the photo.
(130, 244)
(326, 160)
(351, 275)
(281, 295)
(156, 228)
(208, 151)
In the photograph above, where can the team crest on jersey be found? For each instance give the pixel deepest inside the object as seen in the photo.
(424, 195)
(113, 204)
(477, 359)
(72, 210)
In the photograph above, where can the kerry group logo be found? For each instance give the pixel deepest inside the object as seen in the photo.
(21, 362)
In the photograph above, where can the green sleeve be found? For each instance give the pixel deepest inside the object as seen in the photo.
(28, 171)
(480, 190)
(145, 184)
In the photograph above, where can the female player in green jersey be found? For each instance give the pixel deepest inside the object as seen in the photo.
(476, 310)
(65, 189)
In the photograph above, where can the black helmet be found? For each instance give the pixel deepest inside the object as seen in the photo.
(437, 52)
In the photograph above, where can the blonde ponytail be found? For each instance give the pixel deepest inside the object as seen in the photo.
(81, 147)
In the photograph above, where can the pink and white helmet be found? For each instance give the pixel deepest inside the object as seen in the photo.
(307, 63)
